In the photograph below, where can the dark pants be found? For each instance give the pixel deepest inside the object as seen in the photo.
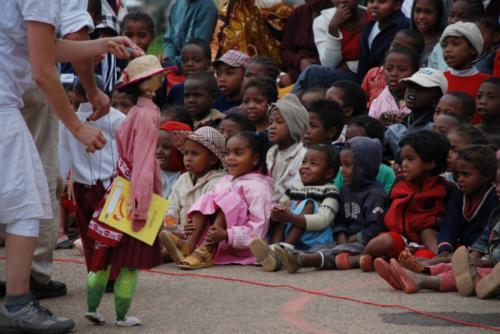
(321, 76)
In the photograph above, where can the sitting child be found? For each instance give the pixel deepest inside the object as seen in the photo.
(176, 114)
(445, 123)
(224, 221)
(488, 109)
(258, 94)
(200, 91)
(288, 123)
(458, 103)
(122, 101)
(203, 154)
(235, 123)
(312, 95)
(304, 217)
(362, 218)
(491, 36)
(326, 121)
(462, 43)
(230, 70)
(261, 67)
(418, 200)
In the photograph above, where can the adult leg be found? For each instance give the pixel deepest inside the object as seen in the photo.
(320, 76)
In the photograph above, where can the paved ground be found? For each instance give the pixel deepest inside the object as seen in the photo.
(252, 301)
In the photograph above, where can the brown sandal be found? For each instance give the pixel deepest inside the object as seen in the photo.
(200, 258)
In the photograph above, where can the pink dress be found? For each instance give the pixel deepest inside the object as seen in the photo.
(246, 203)
(136, 140)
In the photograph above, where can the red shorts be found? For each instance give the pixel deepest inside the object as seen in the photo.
(399, 244)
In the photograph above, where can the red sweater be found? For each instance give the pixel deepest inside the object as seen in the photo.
(414, 209)
(468, 85)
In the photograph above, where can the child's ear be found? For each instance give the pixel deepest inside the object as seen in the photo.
(429, 165)
(332, 132)
(330, 173)
(349, 112)
(255, 160)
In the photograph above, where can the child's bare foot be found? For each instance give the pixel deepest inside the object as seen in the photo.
(366, 262)
(409, 261)
(410, 281)
(170, 241)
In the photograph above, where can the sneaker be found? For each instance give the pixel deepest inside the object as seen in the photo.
(289, 259)
(3, 289)
(51, 289)
(128, 322)
(33, 318)
(265, 255)
(95, 317)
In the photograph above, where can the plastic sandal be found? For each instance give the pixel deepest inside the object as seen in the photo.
(342, 261)
(265, 256)
(407, 283)
(288, 259)
(383, 269)
(366, 263)
(202, 259)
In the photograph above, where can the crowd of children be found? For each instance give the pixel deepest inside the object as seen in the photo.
(383, 157)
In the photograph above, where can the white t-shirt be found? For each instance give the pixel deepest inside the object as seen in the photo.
(15, 68)
(87, 168)
(373, 33)
(74, 16)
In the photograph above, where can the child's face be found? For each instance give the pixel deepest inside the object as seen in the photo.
(460, 11)
(489, 38)
(351, 4)
(425, 16)
(354, 130)
(380, 10)
(278, 130)
(444, 124)
(470, 180)
(229, 80)
(419, 98)
(314, 169)
(198, 160)
(193, 60)
(396, 67)
(255, 105)
(122, 102)
(414, 168)
(163, 149)
(488, 102)
(337, 94)
(240, 158)
(309, 98)
(139, 33)
(228, 128)
(458, 53)
(197, 99)
(317, 134)
(347, 166)
(254, 70)
(449, 104)
(457, 143)
(403, 41)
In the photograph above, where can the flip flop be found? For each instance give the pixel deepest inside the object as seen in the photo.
(383, 269)
(366, 263)
(464, 272)
(489, 285)
(407, 282)
(343, 262)
(264, 255)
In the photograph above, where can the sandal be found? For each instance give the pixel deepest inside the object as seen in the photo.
(288, 258)
(409, 261)
(343, 262)
(383, 269)
(366, 262)
(464, 272)
(407, 282)
(265, 255)
(170, 241)
(200, 258)
(490, 284)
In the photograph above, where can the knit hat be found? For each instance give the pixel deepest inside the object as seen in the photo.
(138, 69)
(428, 77)
(295, 115)
(212, 139)
(233, 58)
(467, 30)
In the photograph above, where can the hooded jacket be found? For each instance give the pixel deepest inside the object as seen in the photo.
(364, 201)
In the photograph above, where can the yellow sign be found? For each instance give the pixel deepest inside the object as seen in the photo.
(116, 212)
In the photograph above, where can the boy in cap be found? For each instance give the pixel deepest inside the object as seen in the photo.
(289, 121)
(230, 70)
(423, 91)
(462, 43)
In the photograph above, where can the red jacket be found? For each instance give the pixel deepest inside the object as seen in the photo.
(413, 208)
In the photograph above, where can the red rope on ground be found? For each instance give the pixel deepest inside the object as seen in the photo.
(309, 292)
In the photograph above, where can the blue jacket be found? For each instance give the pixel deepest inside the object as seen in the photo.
(456, 229)
(375, 57)
(188, 19)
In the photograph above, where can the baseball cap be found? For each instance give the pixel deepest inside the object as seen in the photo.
(429, 77)
(233, 58)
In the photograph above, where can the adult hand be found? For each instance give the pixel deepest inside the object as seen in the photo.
(122, 47)
(90, 137)
(100, 104)
(342, 14)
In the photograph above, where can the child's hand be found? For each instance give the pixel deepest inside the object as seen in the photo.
(281, 215)
(215, 235)
(189, 227)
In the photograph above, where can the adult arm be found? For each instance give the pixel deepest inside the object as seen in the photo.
(42, 51)
(329, 46)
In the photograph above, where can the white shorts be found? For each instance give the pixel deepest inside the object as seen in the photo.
(22, 228)
(24, 192)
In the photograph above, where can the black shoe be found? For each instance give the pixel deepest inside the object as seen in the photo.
(3, 289)
(51, 289)
(110, 287)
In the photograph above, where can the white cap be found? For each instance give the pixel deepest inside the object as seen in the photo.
(429, 77)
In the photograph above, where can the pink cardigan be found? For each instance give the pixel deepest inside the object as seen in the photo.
(385, 102)
(136, 140)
